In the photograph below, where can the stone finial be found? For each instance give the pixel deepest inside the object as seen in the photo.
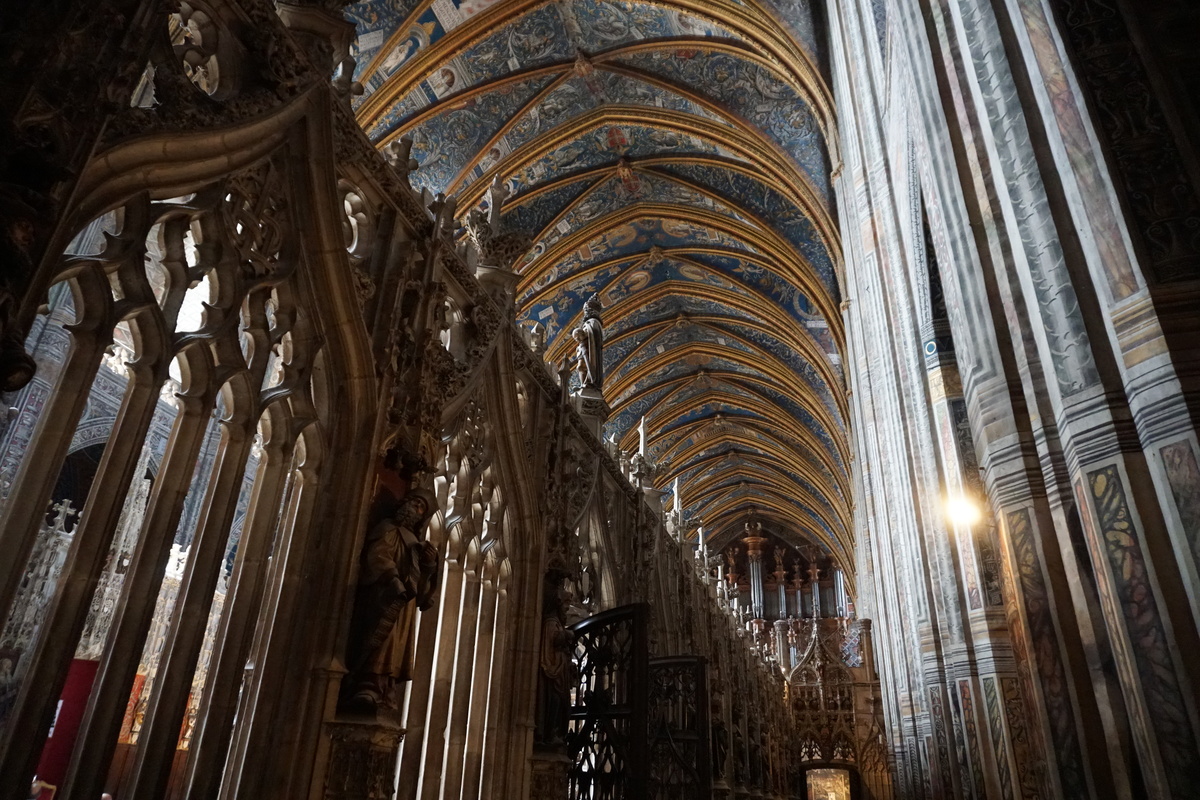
(443, 209)
(398, 154)
(497, 193)
(343, 79)
(496, 247)
(537, 338)
(63, 511)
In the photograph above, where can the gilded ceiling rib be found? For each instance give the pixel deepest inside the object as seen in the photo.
(758, 404)
(814, 356)
(755, 24)
(749, 144)
(769, 410)
(561, 348)
(779, 320)
(817, 446)
(724, 510)
(823, 224)
(795, 268)
(486, 87)
(673, 253)
(716, 505)
(765, 361)
(760, 407)
(638, 166)
(743, 125)
(733, 511)
(785, 457)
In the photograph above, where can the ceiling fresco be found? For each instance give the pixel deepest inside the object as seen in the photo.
(674, 159)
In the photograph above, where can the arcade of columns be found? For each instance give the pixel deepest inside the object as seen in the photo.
(426, 515)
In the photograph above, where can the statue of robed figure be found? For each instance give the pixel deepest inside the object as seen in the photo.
(558, 672)
(398, 576)
(589, 348)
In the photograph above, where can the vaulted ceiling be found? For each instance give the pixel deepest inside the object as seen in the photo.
(673, 158)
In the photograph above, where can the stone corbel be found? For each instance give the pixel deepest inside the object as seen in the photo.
(498, 282)
(325, 34)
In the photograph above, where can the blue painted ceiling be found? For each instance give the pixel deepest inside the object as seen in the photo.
(675, 159)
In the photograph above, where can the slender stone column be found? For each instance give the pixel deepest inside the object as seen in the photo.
(428, 626)
(210, 742)
(66, 617)
(814, 589)
(30, 491)
(173, 681)
(485, 657)
(437, 715)
(461, 694)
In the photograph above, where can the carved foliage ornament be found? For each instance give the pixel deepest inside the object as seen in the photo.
(362, 762)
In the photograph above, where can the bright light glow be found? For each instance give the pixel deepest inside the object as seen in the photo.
(962, 510)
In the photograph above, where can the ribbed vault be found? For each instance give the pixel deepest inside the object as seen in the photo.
(673, 159)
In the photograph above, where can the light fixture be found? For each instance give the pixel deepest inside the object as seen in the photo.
(962, 510)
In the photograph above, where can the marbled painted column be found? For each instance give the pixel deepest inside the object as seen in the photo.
(1061, 347)
(1011, 455)
(1065, 725)
(1129, 189)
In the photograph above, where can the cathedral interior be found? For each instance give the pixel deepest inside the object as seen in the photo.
(600, 399)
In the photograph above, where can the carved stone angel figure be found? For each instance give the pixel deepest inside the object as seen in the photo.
(399, 575)
(589, 348)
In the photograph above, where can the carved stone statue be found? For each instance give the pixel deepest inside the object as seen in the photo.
(739, 756)
(589, 348)
(581, 369)
(557, 673)
(497, 193)
(764, 761)
(718, 733)
(399, 575)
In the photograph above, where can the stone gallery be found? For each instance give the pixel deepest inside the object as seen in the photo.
(599, 399)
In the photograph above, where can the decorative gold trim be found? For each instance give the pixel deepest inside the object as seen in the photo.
(796, 270)
(757, 25)
(777, 164)
(816, 445)
(450, 102)
(762, 406)
(789, 385)
(648, 165)
(785, 331)
(782, 452)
